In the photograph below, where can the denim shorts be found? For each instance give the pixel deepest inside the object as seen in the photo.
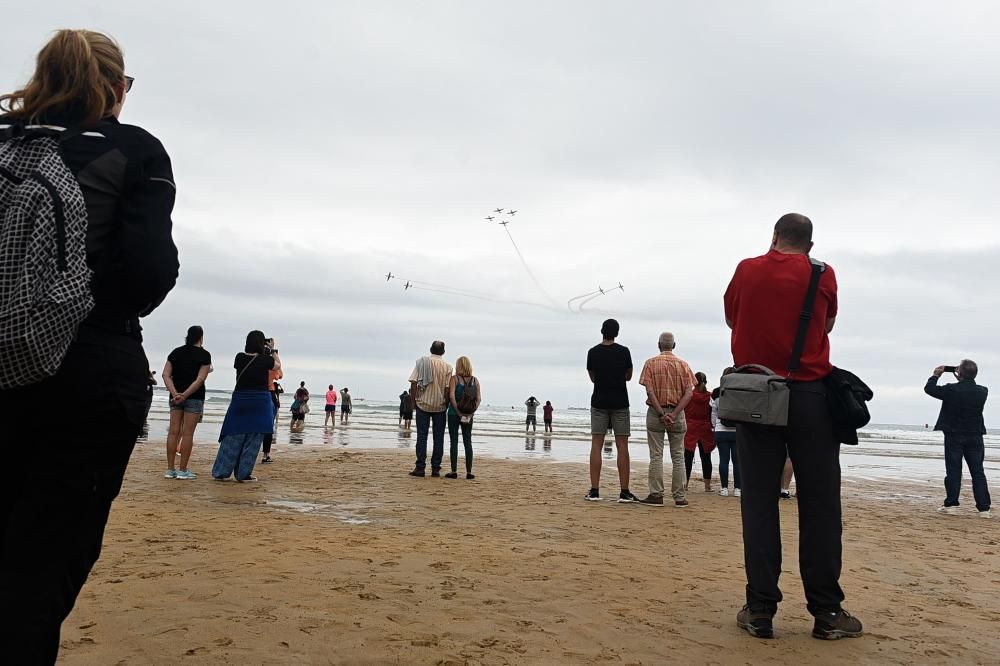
(189, 406)
(616, 419)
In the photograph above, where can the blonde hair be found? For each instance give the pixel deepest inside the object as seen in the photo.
(463, 367)
(75, 76)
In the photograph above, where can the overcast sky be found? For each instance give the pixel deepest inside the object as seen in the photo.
(317, 146)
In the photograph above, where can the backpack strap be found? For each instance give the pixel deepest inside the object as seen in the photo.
(805, 316)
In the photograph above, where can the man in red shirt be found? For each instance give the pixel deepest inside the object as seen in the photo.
(763, 303)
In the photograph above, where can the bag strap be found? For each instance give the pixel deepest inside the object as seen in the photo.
(805, 316)
(245, 368)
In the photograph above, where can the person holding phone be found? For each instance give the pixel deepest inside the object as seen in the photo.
(465, 396)
(961, 421)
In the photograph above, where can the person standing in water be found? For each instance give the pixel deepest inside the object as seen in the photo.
(547, 415)
(405, 409)
(331, 406)
(184, 375)
(346, 404)
(532, 418)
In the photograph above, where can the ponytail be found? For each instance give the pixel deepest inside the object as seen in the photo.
(75, 77)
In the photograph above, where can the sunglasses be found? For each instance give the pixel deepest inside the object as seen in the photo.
(129, 80)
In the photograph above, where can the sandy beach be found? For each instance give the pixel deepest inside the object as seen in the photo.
(338, 557)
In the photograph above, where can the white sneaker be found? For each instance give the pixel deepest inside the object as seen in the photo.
(985, 514)
(724, 492)
(737, 493)
(950, 510)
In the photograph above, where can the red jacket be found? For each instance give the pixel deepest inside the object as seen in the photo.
(698, 414)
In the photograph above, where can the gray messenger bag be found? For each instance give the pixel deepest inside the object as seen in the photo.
(753, 393)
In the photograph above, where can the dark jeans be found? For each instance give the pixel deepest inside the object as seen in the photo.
(52, 516)
(970, 447)
(424, 420)
(815, 453)
(726, 442)
(706, 462)
(269, 437)
(454, 425)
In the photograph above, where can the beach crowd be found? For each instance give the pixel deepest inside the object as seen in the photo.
(120, 260)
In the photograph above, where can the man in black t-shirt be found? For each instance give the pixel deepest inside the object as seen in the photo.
(610, 367)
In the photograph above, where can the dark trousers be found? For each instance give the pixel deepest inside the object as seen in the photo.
(53, 513)
(424, 421)
(815, 453)
(726, 443)
(269, 437)
(454, 425)
(706, 462)
(970, 447)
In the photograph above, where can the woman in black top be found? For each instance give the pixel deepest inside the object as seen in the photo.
(251, 411)
(184, 375)
(51, 532)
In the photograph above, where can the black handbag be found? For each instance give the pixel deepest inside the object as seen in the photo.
(847, 395)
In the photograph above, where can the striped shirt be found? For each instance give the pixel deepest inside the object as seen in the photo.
(434, 397)
(668, 376)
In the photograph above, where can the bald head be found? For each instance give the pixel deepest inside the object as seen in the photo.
(667, 341)
(793, 232)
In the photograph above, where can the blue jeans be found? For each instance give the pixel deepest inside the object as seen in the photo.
(726, 442)
(970, 447)
(237, 453)
(424, 420)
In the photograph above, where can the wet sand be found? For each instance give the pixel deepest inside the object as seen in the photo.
(338, 557)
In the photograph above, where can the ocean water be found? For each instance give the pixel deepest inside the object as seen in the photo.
(903, 452)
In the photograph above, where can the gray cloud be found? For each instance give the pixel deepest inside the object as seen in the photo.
(317, 147)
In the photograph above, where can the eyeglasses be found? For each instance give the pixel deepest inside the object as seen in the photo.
(129, 80)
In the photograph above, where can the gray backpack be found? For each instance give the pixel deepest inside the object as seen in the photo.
(44, 278)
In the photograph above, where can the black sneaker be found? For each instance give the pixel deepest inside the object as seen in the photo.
(756, 623)
(784, 494)
(436, 473)
(652, 500)
(417, 472)
(626, 497)
(266, 459)
(681, 503)
(451, 475)
(470, 476)
(833, 626)
(594, 495)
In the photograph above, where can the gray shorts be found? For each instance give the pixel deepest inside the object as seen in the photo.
(616, 419)
(189, 406)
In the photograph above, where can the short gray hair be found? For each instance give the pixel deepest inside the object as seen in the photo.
(667, 341)
(968, 369)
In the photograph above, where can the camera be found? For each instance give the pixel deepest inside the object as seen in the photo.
(950, 368)
(268, 346)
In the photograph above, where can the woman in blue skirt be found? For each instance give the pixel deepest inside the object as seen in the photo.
(251, 411)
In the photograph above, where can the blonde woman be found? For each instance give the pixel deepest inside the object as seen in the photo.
(465, 395)
(51, 531)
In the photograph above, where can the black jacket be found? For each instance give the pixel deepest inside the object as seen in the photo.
(128, 186)
(962, 408)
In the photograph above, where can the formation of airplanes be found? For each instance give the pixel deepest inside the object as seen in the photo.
(604, 291)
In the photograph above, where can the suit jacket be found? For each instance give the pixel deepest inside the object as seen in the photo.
(962, 406)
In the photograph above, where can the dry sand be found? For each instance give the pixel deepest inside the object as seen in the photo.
(512, 568)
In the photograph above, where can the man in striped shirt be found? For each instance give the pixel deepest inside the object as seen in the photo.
(429, 383)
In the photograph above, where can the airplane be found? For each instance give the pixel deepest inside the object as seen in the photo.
(489, 217)
(511, 212)
(504, 223)
(407, 285)
(620, 286)
(389, 276)
(498, 210)
(601, 290)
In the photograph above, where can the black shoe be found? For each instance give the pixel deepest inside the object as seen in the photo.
(266, 459)
(593, 496)
(470, 476)
(451, 475)
(626, 497)
(833, 626)
(756, 623)
(417, 472)
(784, 494)
(436, 473)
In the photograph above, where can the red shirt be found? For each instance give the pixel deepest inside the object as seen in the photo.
(763, 302)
